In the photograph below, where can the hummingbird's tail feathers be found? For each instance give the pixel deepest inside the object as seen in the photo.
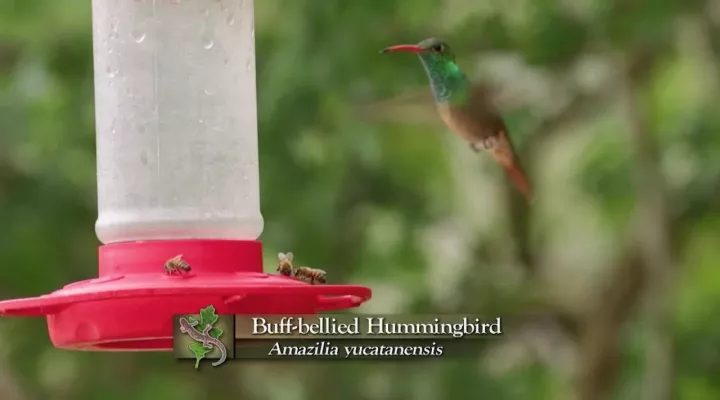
(503, 152)
(518, 177)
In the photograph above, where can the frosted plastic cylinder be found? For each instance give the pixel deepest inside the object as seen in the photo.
(176, 120)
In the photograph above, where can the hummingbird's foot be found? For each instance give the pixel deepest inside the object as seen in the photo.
(488, 143)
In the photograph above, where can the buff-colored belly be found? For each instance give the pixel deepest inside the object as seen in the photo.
(461, 124)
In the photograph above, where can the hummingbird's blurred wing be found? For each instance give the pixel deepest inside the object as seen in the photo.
(415, 107)
(418, 106)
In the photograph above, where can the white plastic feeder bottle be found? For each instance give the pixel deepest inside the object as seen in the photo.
(177, 151)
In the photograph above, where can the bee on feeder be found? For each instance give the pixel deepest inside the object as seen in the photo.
(285, 266)
(309, 275)
(176, 265)
(305, 274)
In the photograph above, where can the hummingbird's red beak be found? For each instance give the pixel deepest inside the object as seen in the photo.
(413, 48)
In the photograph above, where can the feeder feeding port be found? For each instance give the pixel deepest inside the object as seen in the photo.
(177, 173)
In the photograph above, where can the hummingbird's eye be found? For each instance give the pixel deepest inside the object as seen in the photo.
(439, 48)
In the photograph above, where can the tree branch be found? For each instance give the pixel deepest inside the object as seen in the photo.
(599, 342)
(654, 238)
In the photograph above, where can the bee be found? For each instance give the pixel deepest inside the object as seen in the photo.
(285, 266)
(309, 275)
(176, 265)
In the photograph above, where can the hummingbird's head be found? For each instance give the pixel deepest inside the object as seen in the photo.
(439, 62)
(429, 50)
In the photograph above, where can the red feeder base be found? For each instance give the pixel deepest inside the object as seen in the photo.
(129, 307)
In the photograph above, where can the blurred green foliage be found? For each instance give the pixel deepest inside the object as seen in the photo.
(394, 203)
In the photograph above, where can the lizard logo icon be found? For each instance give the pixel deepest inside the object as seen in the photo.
(206, 338)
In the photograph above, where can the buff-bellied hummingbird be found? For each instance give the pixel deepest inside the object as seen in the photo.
(466, 108)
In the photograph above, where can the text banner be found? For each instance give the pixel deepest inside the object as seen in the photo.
(353, 326)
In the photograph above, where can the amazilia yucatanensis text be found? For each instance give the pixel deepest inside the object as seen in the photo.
(466, 108)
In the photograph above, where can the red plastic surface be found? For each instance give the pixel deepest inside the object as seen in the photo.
(129, 307)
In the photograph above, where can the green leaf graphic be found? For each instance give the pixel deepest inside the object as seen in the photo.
(199, 351)
(216, 332)
(207, 316)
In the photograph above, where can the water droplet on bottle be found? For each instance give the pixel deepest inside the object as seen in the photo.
(200, 121)
(114, 28)
(144, 158)
(138, 35)
(206, 12)
(208, 43)
(231, 19)
(111, 72)
(208, 92)
(175, 2)
(249, 65)
(252, 32)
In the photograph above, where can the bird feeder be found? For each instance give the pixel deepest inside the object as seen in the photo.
(177, 173)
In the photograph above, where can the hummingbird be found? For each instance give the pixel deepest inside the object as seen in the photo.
(466, 108)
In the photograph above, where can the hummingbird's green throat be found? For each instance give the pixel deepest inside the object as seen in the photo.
(448, 83)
